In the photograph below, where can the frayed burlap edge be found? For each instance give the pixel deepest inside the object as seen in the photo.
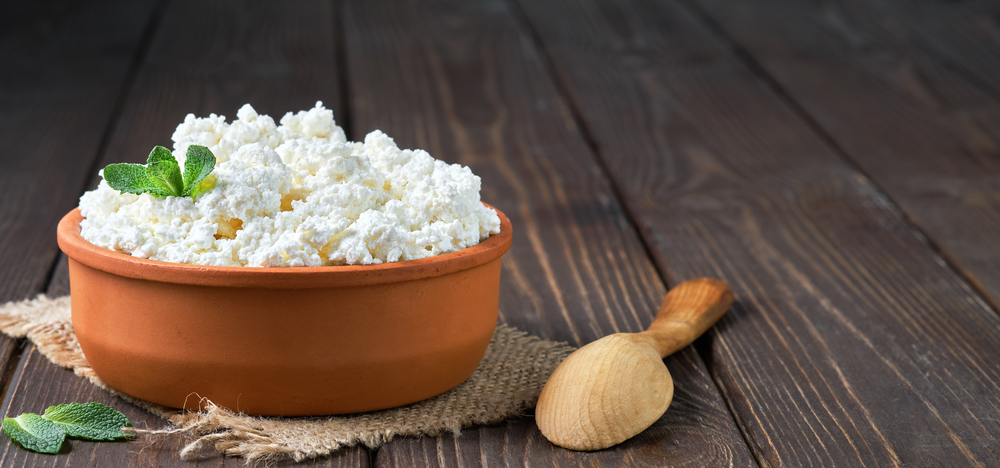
(507, 382)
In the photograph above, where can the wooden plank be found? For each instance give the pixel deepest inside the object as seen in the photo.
(852, 343)
(59, 284)
(678, 436)
(57, 96)
(214, 57)
(38, 384)
(205, 57)
(923, 132)
(464, 81)
(965, 35)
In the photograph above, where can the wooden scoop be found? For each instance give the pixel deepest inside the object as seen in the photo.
(617, 386)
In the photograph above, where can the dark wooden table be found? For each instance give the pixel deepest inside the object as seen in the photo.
(838, 163)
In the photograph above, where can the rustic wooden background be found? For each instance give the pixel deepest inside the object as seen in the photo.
(837, 162)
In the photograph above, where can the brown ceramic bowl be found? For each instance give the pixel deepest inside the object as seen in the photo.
(283, 341)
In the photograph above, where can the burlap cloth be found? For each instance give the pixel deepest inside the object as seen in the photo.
(507, 382)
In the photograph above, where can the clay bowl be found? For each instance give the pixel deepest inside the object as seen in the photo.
(283, 341)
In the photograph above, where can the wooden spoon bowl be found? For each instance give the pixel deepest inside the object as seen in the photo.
(616, 387)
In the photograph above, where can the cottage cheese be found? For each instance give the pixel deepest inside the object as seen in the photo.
(296, 194)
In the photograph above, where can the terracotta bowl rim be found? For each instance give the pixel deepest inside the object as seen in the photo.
(117, 263)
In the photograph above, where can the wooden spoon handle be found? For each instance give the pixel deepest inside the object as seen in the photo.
(689, 309)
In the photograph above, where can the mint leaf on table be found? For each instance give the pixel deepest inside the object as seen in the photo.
(91, 421)
(34, 433)
(161, 176)
(46, 433)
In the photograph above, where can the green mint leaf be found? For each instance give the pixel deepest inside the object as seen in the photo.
(91, 421)
(34, 433)
(131, 178)
(199, 163)
(161, 176)
(164, 171)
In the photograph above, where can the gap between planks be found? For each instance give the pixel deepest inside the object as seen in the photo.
(19, 345)
(701, 345)
(18, 352)
(562, 91)
(746, 58)
(116, 111)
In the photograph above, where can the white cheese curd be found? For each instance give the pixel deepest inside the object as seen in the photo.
(296, 194)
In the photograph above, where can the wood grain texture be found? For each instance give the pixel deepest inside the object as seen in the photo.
(604, 394)
(676, 440)
(214, 57)
(924, 133)
(615, 387)
(463, 81)
(852, 343)
(38, 384)
(64, 65)
(963, 36)
(205, 57)
(57, 94)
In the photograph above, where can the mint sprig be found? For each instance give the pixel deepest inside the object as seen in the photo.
(46, 433)
(161, 176)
